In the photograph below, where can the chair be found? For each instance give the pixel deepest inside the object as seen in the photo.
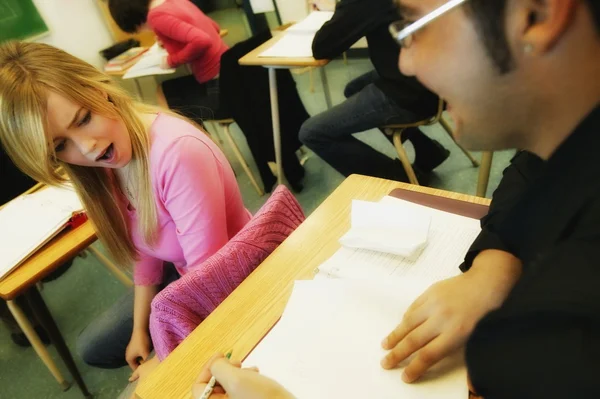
(396, 131)
(179, 308)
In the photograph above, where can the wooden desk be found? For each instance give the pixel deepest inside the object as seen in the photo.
(22, 281)
(248, 314)
(273, 63)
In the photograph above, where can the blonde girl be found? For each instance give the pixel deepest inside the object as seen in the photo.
(156, 188)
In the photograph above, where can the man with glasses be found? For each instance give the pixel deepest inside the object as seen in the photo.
(516, 74)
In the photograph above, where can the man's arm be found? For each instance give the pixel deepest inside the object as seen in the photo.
(352, 20)
(523, 169)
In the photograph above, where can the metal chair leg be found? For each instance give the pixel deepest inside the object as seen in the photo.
(484, 173)
(242, 161)
(397, 138)
(448, 130)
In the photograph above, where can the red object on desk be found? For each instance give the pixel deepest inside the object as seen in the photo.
(77, 220)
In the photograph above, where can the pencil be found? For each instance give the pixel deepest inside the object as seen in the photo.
(211, 384)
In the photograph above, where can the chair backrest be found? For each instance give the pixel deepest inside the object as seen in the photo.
(179, 308)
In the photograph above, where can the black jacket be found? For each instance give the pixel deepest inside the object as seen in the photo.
(244, 95)
(354, 19)
(544, 342)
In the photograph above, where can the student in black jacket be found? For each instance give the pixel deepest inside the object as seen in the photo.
(378, 98)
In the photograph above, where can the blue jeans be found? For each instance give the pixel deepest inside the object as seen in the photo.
(104, 341)
(330, 134)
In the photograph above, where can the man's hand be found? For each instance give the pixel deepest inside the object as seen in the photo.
(138, 348)
(441, 320)
(236, 383)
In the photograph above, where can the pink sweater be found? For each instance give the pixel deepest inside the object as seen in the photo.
(189, 36)
(198, 201)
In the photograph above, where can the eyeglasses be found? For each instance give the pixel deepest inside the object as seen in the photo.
(403, 31)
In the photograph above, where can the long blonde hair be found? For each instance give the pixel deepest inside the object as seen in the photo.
(28, 71)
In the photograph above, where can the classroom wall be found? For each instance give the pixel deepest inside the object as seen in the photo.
(76, 26)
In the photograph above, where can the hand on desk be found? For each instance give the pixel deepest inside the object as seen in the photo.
(237, 383)
(441, 320)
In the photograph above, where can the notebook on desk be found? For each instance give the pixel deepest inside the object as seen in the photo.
(327, 342)
(30, 221)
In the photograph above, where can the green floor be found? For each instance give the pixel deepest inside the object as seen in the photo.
(87, 288)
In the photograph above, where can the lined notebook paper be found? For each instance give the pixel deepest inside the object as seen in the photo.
(327, 344)
(29, 221)
(449, 238)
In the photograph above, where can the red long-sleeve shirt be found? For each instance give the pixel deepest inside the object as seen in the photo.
(189, 36)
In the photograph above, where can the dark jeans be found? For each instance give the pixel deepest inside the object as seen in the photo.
(104, 341)
(330, 134)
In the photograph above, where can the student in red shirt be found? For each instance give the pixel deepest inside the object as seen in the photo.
(190, 37)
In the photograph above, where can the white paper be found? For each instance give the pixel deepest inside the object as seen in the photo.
(387, 227)
(29, 221)
(327, 344)
(291, 46)
(149, 64)
(262, 6)
(312, 23)
(450, 236)
(297, 39)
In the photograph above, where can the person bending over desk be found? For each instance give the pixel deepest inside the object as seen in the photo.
(190, 37)
(155, 186)
(378, 98)
(527, 306)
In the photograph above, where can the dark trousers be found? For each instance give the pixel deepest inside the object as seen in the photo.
(330, 134)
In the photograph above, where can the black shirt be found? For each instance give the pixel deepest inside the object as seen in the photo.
(354, 19)
(544, 342)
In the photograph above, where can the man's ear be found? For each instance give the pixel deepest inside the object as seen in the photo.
(544, 23)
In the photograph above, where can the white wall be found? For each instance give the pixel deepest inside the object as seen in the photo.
(76, 26)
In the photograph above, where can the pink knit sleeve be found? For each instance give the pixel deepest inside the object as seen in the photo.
(147, 270)
(195, 40)
(194, 195)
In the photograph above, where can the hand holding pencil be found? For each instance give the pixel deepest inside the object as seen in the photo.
(233, 382)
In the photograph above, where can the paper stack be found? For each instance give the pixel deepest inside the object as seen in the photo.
(29, 221)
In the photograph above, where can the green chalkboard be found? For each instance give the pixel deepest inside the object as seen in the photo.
(19, 19)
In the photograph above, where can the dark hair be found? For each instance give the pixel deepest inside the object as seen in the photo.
(129, 14)
(490, 18)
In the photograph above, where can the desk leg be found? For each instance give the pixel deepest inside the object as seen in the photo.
(138, 89)
(276, 127)
(325, 87)
(37, 344)
(484, 173)
(45, 318)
